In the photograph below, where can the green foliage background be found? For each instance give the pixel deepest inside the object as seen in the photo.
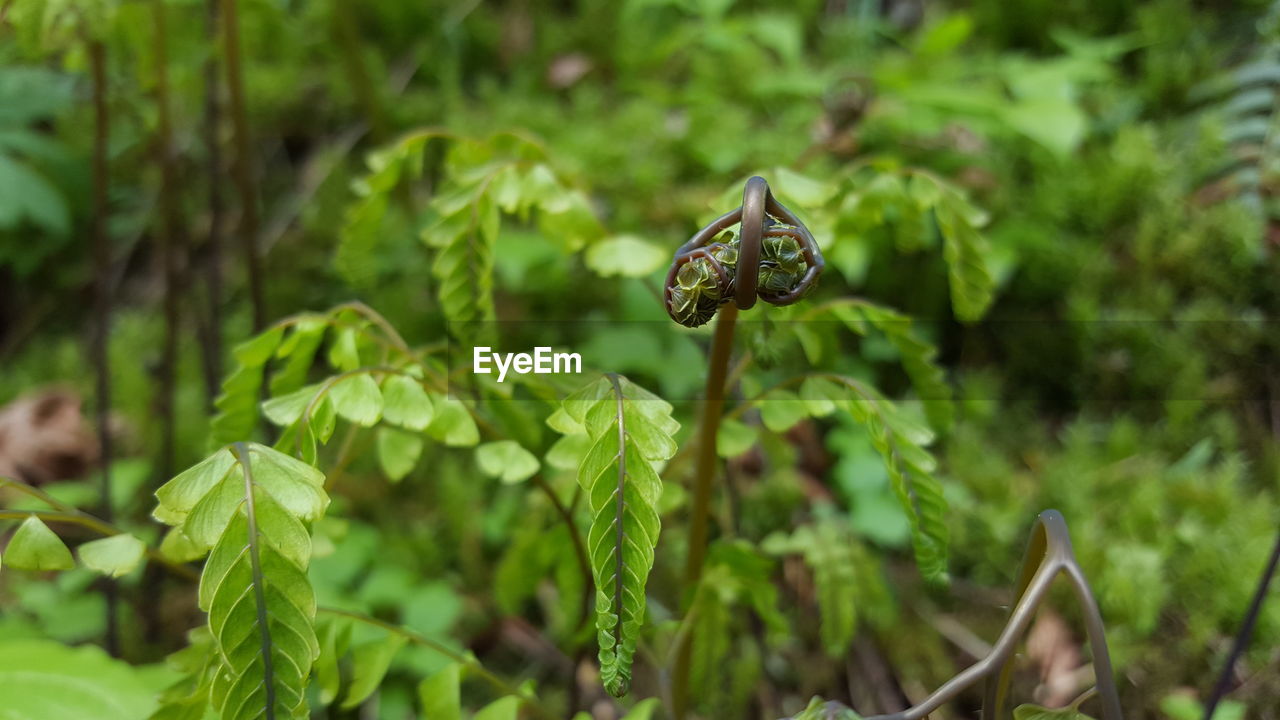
(1051, 282)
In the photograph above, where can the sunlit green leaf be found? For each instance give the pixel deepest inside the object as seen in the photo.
(35, 547)
(113, 556)
(507, 461)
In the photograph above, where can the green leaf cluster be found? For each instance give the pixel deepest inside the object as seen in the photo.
(247, 506)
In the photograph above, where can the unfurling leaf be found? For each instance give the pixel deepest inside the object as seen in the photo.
(630, 430)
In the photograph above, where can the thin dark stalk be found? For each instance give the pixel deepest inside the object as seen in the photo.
(579, 548)
(212, 340)
(699, 520)
(346, 33)
(102, 306)
(242, 162)
(1246, 632)
(619, 571)
(259, 592)
(167, 245)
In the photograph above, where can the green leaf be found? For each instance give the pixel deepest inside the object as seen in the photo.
(829, 550)
(286, 409)
(113, 556)
(398, 452)
(334, 635)
(203, 499)
(965, 251)
(780, 410)
(734, 438)
(919, 360)
(258, 658)
(297, 353)
(254, 584)
(900, 441)
(370, 662)
(406, 404)
(507, 461)
(179, 548)
(363, 222)
(344, 353)
(188, 698)
(643, 710)
(35, 547)
(507, 708)
(802, 189)
(358, 399)
(441, 694)
(567, 452)
(630, 429)
(1184, 706)
(463, 266)
(452, 424)
(626, 256)
(1056, 123)
(237, 405)
(26, 194)
(45, 680)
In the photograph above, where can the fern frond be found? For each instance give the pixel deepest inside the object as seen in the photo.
(630, 430)
(248, 503)
(901, 442)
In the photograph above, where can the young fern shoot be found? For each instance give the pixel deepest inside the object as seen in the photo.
(630, 430)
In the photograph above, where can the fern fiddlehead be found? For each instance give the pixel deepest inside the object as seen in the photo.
(772, 256)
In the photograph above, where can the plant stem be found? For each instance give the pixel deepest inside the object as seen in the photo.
(470, 663)
(346, 31)
(102, 304)
(712, 407)
(243, 165)
(212, 341)
(259, 593)
(167, 244)
(579, 549)
(1246, 632)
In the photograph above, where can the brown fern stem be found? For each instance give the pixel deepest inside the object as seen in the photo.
(700, 515)
(102, 305)
(167, 245)
(211, 340)
(242, 162)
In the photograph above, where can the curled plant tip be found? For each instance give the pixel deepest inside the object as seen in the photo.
(783, 258)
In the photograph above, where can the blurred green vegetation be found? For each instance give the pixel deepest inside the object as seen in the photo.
(1111, 163)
